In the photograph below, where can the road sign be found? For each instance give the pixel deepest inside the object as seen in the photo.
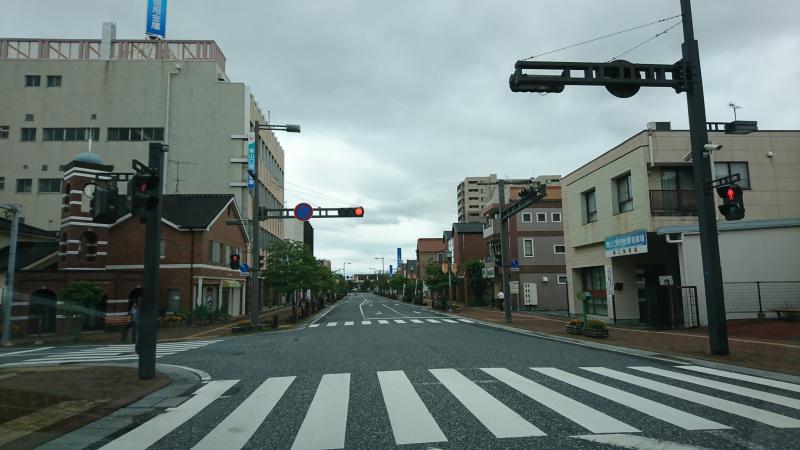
(514, 287)
(244, 268)
(515, 265)
(303, 211)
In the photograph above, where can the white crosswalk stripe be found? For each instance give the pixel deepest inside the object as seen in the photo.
(433, 321)
(407, 402)
(399, 321)
(366, 322)
(332, 324)
(120, 352)
(742, 377)
(349, 323)
(416, 321)
(383, 322)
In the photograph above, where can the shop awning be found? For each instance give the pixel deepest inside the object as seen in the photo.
(231, 284)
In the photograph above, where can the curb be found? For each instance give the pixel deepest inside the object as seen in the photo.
(184, 381)
(668, 358)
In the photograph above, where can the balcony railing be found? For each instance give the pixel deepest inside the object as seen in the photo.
(673, 203)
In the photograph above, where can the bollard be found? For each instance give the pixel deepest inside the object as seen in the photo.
(274, 321)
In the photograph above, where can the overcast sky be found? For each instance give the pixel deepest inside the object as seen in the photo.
(400, 100)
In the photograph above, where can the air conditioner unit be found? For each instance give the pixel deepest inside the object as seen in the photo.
(545, 279)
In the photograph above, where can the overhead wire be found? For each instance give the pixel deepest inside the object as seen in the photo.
(603, 37)
(645, 41)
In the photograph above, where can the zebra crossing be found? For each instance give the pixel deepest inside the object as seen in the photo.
(109, 353)
(403, 321)
(408, 402)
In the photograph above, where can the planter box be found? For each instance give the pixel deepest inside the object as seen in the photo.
(574, 329)
(595, 333)
(239, 330)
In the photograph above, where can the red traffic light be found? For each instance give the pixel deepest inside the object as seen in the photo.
(730, 194)
(234, 261)
(359, 212)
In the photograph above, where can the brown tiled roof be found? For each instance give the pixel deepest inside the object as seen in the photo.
(428, 245)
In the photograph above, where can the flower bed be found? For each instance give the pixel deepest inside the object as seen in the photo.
(593, 328)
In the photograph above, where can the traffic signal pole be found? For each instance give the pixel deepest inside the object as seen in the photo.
(501, 185)
(255, 241)
(8, 303)
(148, 309)
(701, 167)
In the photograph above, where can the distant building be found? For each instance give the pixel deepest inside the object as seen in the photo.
(629, 215)
(466, 244)
(473, 197)
(430, 252)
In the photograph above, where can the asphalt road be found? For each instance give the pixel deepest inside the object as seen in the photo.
(374, 373)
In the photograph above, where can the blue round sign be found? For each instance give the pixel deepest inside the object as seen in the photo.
(303, 211)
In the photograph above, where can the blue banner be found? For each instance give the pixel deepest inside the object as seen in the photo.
(156, 18)
(391, 271)
(251, 158)
(399, 256)
(626, 244)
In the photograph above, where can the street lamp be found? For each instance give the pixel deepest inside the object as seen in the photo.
(383, 266)
(255, 243)
(344, 269)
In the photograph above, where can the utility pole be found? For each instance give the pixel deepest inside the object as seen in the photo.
(12, 263)
(449, 278)
(255, 242)
(501, 185)
(148, 310)
(706, 213)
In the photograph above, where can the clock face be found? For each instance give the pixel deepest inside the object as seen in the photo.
(88, 190)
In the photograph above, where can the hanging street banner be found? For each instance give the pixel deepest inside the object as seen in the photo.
(631, 243)
(156, 18)
(391, 271)
(399, 256)
(251, 158)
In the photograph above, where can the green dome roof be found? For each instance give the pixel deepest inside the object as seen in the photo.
(89, 157)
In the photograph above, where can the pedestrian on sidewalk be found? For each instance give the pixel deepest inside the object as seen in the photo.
(501, 300)
(133, 321)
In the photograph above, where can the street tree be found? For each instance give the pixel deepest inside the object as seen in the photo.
(475, 281)
(80, 302)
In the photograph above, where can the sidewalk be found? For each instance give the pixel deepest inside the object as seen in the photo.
(164, 334)
(778, 355)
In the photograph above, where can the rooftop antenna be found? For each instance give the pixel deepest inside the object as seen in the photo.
(178, 172)
(734, 108)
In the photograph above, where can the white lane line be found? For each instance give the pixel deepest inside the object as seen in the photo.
(349, 323)
(360, 306)
(433, 321)
(25, 351)
(748, 412)
(636, 442)
(498, 418)
(585, 416)
(412, 422)
(366, 322)
(239, 426)
(331, 324)
(741, 377)
(394, 310)
(417, 321)
(658, 410)
(399, 321)
(449, 321)
(383, 322)
(727, 387)
(326, 421)
(466, 321)
(313, 325)
(159, 426)
(417, 312)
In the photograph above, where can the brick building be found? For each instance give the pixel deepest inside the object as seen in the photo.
(195, 246)
(466, 244)
(430, 251)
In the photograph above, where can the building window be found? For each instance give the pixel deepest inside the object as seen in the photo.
(4, 132)
(594, 282)
(541, 217)
(527, 217)
(555, 217)
(88, 245)
(28, 117)
(723, 169)
(2, 183)
(44, 167)
(527, 248)
(677, 179)
(562, 279)
(624, 193)
(216, 252)
(54, 81)
(559, 249)
(135, 134)
(28, 135)
(590, 206)
(162, 249)
(49, 185)
(33, 80)
(69, 134)
(24, 184)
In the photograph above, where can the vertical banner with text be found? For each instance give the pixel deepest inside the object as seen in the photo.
(251, 158)
(399, 257)
(156, 18)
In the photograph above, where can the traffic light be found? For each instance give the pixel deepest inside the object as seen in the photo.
(105, 204)
(358, 211)
(732, 206)
(143, 193)
(234, 261)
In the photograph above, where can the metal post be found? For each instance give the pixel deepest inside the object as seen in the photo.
(255, 242)
(709, 245)
(761, 314)
(449, 279)
(12, 263)
(504, 252)
(148, 310)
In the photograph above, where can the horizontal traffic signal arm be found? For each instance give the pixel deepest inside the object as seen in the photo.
(319, 213)
(609, 74)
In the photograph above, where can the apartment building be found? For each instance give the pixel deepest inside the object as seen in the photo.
(63, 96)
(536, 253)
(472, 198)
(626, 210)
